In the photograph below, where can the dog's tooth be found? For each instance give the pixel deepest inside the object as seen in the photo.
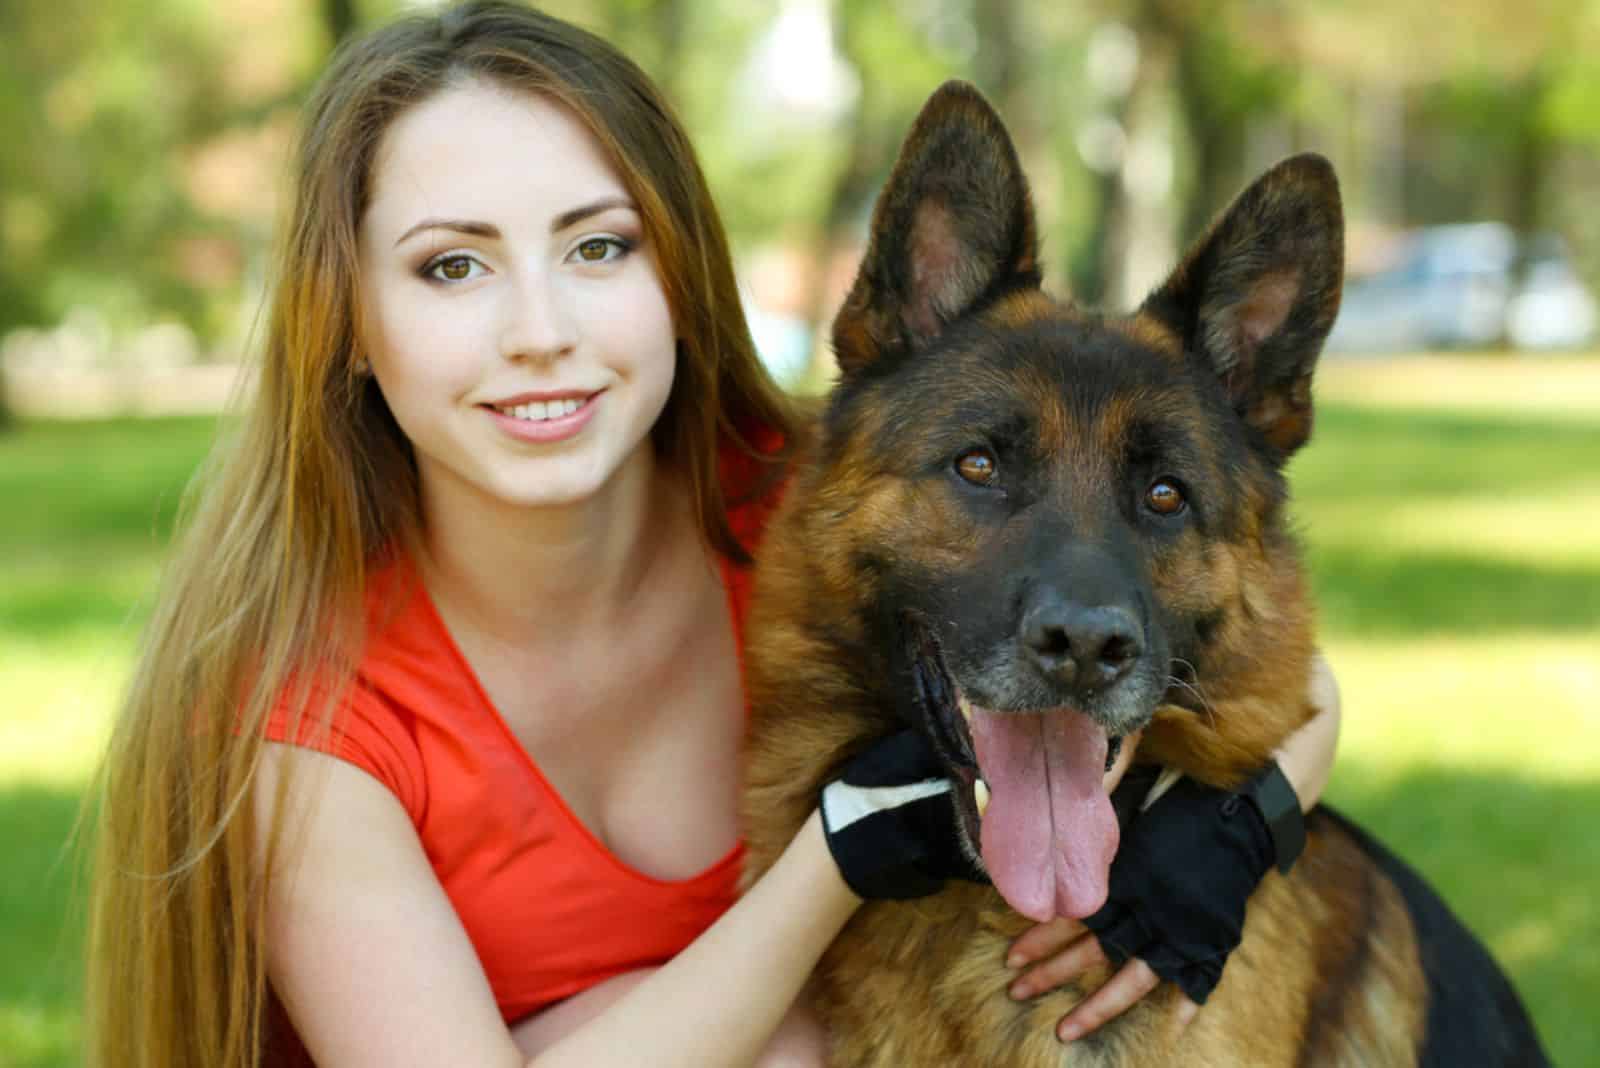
(980, 795)
(965, 708)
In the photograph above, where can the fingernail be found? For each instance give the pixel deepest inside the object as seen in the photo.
(1019, 991)
(1016, 960)
(1068, 1032)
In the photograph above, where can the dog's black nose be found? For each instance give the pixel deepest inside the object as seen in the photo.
(1084, 647)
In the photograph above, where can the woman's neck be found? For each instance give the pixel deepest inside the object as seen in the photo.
(520, 574)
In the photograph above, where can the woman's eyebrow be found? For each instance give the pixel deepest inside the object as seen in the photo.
(489, 230)
(594, 207)
(462, 226)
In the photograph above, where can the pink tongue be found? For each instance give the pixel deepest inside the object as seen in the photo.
(1049, 832)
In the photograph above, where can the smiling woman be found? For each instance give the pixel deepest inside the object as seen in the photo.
(473, 322)
(386, 781)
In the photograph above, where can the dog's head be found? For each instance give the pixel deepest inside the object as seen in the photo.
(1062, 523)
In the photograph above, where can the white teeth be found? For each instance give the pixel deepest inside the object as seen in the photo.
(980, 794)
(965, 707)
(538, 411)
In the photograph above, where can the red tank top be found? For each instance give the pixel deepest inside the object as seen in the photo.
(550, 911)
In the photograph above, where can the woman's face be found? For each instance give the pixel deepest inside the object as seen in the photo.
(513, 316)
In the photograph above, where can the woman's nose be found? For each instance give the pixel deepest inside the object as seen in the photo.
(538, 324)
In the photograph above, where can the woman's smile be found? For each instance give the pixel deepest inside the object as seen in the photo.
(544, 421)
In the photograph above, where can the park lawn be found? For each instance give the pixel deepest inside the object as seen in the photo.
(1447, 507)
(90, 506)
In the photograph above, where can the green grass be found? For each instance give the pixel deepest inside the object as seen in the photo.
(1448, 508)
(92, 505)
(1424, 522)
(1449, 513)
(40, 971)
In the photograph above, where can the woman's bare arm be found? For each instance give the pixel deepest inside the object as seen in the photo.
(375, 968)
(1306, 756)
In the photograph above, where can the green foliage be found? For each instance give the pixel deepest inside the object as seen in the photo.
(121, 113)
(106, 106)
(98, 113)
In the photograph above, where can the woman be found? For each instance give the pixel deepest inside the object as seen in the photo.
(431, 756)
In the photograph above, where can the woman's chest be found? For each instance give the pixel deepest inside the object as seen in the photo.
(598, 850)
(639, 736)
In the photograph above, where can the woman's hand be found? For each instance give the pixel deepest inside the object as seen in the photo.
(1052, 954)
(1063, 950)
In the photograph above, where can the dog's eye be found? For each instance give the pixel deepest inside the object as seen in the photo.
(1164, 497)
(977, 466)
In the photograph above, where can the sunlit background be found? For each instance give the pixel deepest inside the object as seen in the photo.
(1449, 503)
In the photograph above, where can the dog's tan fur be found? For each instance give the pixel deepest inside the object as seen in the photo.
(1329, 971)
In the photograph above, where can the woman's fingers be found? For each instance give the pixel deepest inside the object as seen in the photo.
(1184, 1014)
(1042, 941)
(1133, 981)
(1078, 957)
(1069, 951)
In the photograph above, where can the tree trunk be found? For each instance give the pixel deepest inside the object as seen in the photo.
(1006, 54)
(866, 159)
(1216, 142)
(339, 18)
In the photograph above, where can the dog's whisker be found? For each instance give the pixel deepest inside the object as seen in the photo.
(1205, 705)
(1192, 685)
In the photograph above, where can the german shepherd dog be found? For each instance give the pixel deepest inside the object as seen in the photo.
(1030, 531)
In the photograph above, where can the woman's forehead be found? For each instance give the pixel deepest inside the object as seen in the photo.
(479, 151)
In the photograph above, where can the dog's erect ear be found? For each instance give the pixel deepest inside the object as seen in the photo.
(952, 229)
(1255, 297)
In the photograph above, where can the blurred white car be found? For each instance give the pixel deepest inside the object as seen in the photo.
(1457, 287)
(1552, 309)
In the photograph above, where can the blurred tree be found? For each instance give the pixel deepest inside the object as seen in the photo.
(1476, 86)
(898, 63)
(340, 18)
(101, 95)
(142, 126)
(147, 138)
(90, 95)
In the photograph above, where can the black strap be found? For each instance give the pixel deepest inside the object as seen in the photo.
(1279, 806)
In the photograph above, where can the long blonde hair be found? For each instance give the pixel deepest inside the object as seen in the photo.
(263, 590)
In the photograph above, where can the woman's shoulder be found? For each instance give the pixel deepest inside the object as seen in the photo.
(367, 712)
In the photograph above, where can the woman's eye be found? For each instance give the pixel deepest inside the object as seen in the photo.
(978, 467)
(600, 249)
(1164, 497)
(452, 268)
